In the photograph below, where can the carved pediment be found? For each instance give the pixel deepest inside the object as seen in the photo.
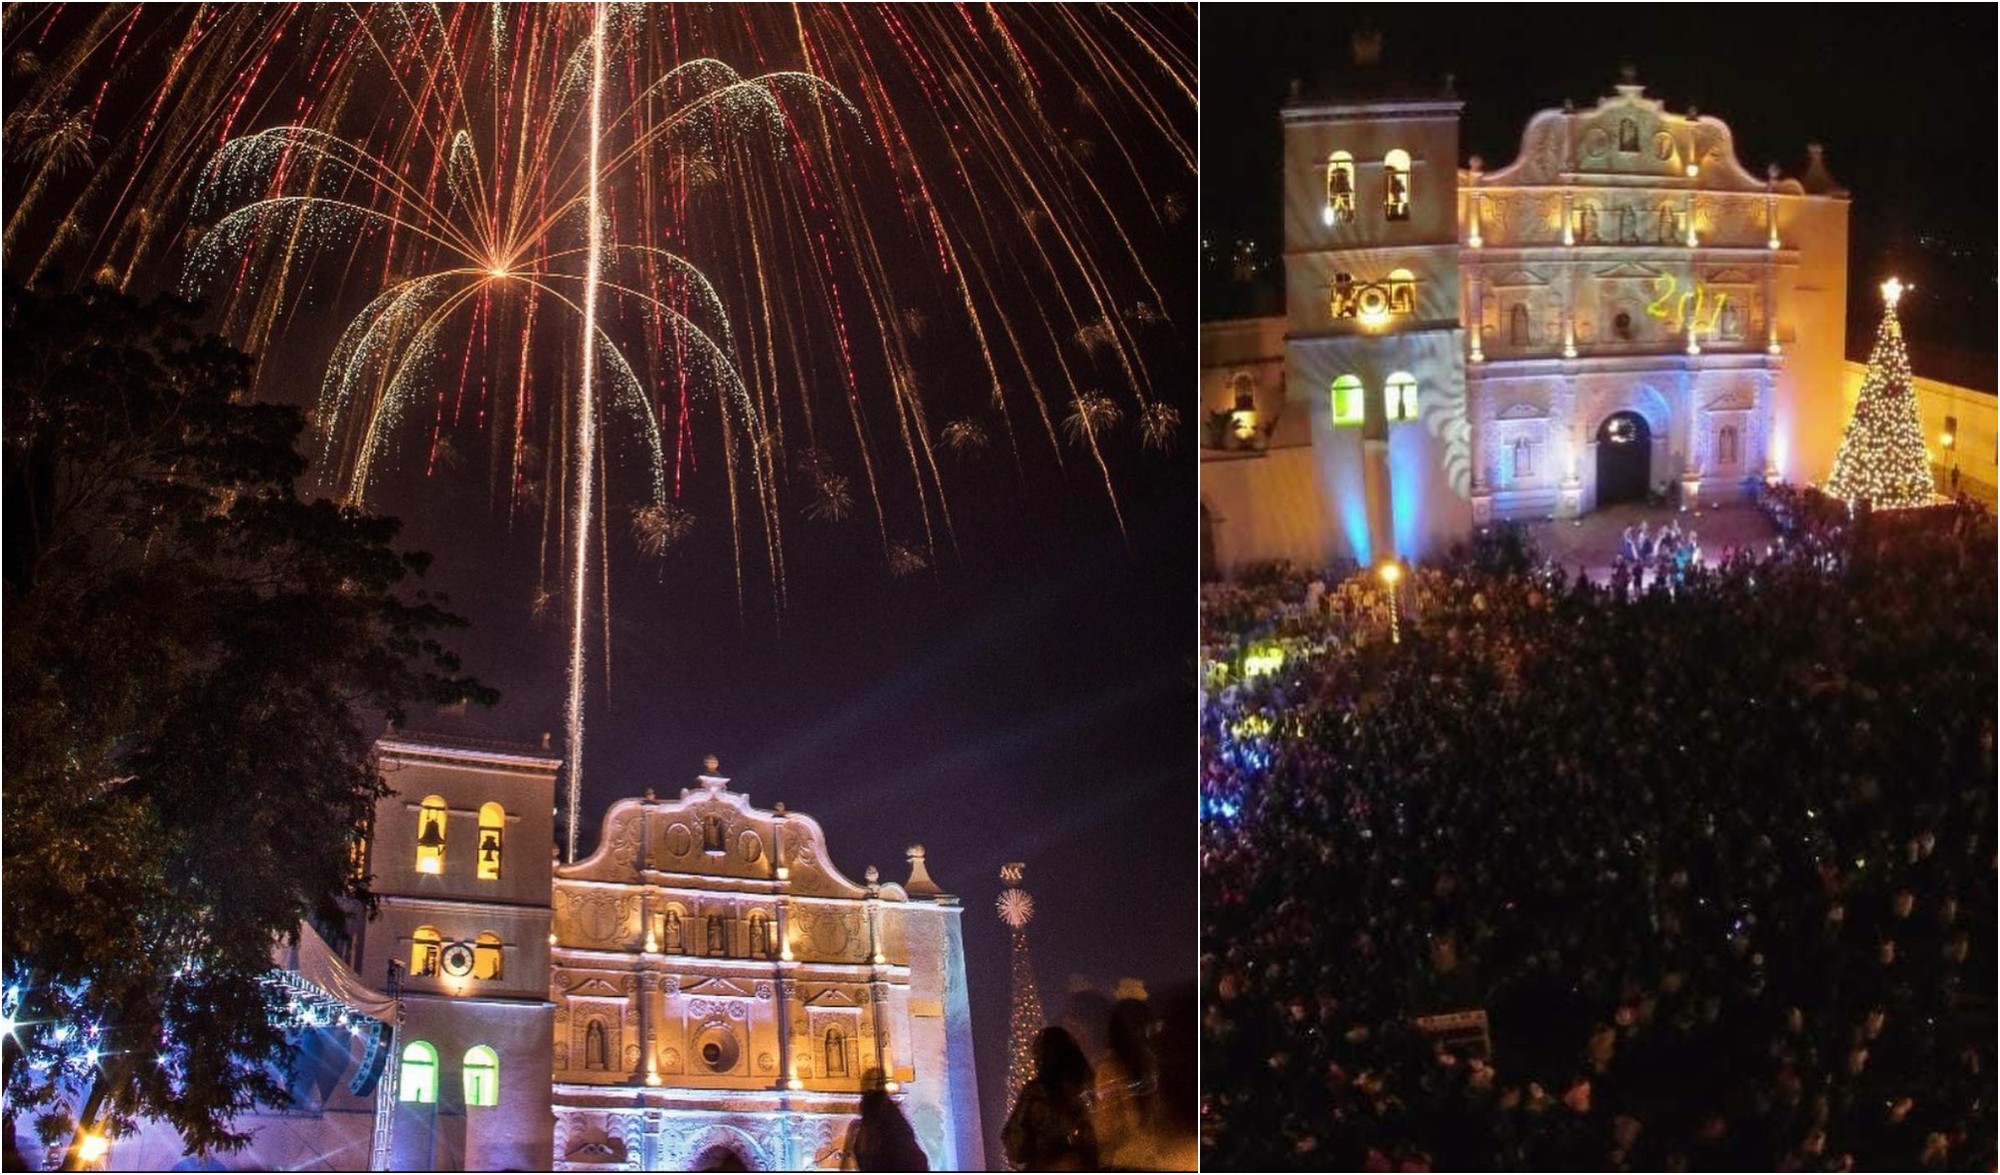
(1735, 400)
(1628, 269)
(1523, 411)
(1730, 277)
(715, 987)
(831, 997)
(1515, 278)
(595, 987)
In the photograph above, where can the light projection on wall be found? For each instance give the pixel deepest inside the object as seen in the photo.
(1372, 303)
(1671, 306)
(1443, 412)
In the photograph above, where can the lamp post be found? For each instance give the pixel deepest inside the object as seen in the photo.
(1391, 573)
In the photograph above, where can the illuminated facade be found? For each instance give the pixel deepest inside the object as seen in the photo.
(1621, 310)
(721, 989)
(706, 984)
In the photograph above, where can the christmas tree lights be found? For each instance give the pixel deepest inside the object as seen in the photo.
(1025, 1017)
(1882, 458)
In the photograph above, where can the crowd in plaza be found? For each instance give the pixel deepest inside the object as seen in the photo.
(1713, 855)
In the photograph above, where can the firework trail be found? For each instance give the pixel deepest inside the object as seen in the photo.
(580, 233)
(586, 432)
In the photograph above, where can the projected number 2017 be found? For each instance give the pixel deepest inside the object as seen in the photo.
(1674, 310)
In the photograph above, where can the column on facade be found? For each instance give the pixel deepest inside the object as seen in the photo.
(1688, 432)
(1570, 267)
(1476, 288)
(876, 987)
(649, 993)
(1771, 302)
(1570, 425)
(1375, 484)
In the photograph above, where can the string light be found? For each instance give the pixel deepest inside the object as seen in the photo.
(1882, 458)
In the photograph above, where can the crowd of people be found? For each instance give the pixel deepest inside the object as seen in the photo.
(1134, 1109)
(1710, 859)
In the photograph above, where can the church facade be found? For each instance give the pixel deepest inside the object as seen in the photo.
(706, 988)
(1623, 311)
(723, 993)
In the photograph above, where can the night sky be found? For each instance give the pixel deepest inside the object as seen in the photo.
(1024, 698)
(1902, 97)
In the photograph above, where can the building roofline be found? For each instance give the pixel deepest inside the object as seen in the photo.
(458, 749)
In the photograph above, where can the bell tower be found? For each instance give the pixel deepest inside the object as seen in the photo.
(1373, 346)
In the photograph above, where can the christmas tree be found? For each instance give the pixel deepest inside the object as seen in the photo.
(1882, 456)
(1016, 908)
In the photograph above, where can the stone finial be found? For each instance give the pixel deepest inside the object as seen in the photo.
(1297, 88)
(1478, 164)
(1569, 106)
(1771, 172)
(545, 740)
(1628, 74)
(650, 797)
(713, 764)
(778, 809)
(1694, 112)
(872, 876)
(920, 883)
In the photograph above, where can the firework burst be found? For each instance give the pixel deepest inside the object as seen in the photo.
(577, 232)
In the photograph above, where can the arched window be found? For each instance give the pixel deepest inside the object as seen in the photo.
(1726, 445)
(1517, 325)
(836, 1053)
(1402, 292)
(1628, 135)
(430, 835)
(424, 947)
(1399, 397)
(711, 835)
(492, 826)
(1339, 190)
(417, 1080)
(715, 944)
(486, 963)
(1396, 185)
(1524, 459)
(593, 1046)
(760, 927)
(1347, 406)
(482, 1076)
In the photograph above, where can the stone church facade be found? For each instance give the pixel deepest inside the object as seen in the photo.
(707, 987)
(720, 987)
(1623, 310)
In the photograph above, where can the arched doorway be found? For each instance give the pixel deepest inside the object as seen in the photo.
(1624, 459)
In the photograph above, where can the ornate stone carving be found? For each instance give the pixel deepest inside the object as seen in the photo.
(679, 840)
(750, 846)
